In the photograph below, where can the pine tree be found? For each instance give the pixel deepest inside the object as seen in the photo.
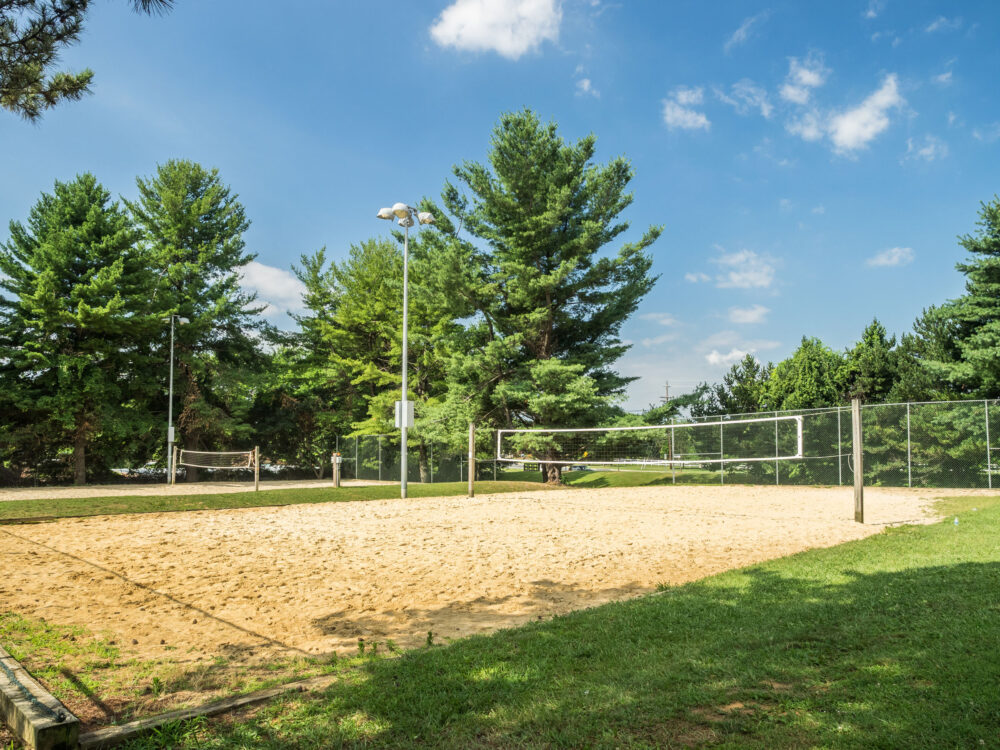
(544, 306)
(975, 316)
(870, 368)
(743, 389)
(806, 380)
(76, 318)
(193, 227)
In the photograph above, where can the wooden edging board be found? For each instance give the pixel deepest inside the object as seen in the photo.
(35, 716)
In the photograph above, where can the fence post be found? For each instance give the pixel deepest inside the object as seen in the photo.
(357, 466)
(256, 468)
(776, 454)
(380, 458)
(909, 453)
(722, 456)
(431, 449)
(840, 452)
(859, 470)
(673, 451)
(173, 471)
(472, 459)
(989, 463)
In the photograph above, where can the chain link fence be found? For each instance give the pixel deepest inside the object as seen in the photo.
(928, 444)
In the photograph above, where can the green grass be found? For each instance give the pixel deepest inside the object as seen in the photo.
(19, 510)
(889, 642)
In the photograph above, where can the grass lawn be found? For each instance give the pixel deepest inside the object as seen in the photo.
(18, 510)
(889, 642)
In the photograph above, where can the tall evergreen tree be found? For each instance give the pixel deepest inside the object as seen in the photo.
(544, 306)
(743, 389)
(975, 316)
(806, 380)
(193, 227)
(870, 368)
(75, 317)
(919, 356)
(32, 34)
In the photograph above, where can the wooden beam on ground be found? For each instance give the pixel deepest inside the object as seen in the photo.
(111, 736)
(34, 715)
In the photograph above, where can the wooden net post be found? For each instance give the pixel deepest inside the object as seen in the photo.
(472, 458)
(173, 470)
(859, 474)
(256, 468)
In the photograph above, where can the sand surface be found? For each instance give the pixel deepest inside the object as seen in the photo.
(255, 582)
(183, 488)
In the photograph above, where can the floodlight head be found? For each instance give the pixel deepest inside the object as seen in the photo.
(401, 210)
(384, 213)
(183, 321)
(425, 217)
(407, 221)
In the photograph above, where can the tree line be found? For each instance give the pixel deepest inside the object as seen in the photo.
(516, 307)
(953, 352)
(518, 295)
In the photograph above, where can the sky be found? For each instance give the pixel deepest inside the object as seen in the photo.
(812, 164)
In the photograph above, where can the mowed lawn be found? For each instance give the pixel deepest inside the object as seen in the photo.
(888, 642)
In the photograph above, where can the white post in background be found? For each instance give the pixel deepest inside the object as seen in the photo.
(859, 468)
(722, 456)
(909, 453)
(776, 454)
(406, 394)
(989, 463)
(472, 458)
(840, 453)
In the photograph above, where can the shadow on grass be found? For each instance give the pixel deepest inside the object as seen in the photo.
(829, 648)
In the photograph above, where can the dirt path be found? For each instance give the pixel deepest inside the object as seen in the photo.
(253, 582)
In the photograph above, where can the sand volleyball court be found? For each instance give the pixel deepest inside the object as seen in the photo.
(256, 582)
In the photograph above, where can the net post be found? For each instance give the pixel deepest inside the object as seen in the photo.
(173, 470)
(472, 458)
(989, 465)
(256, 468)
(859, 488)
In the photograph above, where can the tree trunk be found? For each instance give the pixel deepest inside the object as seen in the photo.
(80, 456)
(553, 474)
(321, 470)
(425, 465)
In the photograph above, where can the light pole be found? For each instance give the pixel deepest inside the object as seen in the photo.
(170, 400)
(404, 409)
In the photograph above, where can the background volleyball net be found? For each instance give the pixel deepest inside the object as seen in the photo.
(225, 460)
(688, 444)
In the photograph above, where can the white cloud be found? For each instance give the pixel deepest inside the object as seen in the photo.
(820, 210)
(657, 340)
(695, 278)
(678, 112)
(664, 319)
(944, 24)
(744, 269)
(745, 96)
(744, 32)
(277, 288)
(944, 79)
(894, 256)
(855, 128)
(510, 28)
(988, 133)
(930, 149)
(747, 315)
(803, 76)
(807, 126)
(728, 359)
(785, 204)
(585, 88)
(874, 8)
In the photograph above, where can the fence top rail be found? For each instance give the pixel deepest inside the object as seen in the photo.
(785, 418)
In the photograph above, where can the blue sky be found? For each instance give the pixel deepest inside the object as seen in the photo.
(812, 163)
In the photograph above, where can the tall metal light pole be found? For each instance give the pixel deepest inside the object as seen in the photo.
(170, 401)
(404, 409)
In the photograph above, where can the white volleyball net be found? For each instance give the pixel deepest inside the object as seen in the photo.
(217, 459)
(685, 444)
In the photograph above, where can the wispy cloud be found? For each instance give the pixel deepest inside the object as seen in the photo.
(657, 340)
(663, 319)
(748, 315)
(584, 87)
(944, 24)
(987, 133)
(744, 32)
(894, 256)
(803, 76)
(874, 8)
(697, 278)
(511, 28)
(855, 128)
(679, 112)
(744, 269)
(745, 96)
(280, 290)
(929, 149)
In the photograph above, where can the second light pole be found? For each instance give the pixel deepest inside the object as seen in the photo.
(404, 216)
